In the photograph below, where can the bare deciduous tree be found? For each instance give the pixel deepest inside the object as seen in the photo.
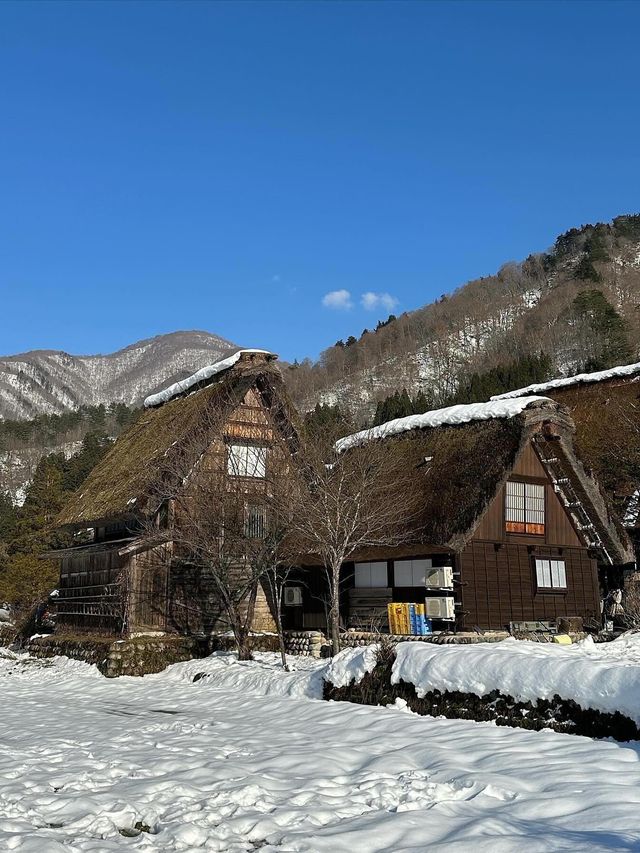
(346, 503)
(217, 500)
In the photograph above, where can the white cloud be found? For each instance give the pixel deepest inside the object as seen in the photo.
(338, 299)
(371, 301)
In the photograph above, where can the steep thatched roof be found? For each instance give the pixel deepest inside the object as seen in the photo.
(462, 465)
(605, 407)
(460, 468)
(607, 420)
(119, 485)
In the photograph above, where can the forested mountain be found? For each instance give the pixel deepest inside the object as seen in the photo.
(576, 307)
(49, 401)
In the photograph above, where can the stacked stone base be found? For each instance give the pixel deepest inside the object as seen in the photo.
(311, 644)
(146, 654)
(363, 638)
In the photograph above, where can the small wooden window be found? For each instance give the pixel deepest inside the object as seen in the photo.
(551, 574)
(256, 524)
(524, 508)
(246, 460)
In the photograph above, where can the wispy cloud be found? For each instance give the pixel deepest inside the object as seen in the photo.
(339, 300)
(371, 301)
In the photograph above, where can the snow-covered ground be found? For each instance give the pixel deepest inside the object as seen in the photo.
(244, 759)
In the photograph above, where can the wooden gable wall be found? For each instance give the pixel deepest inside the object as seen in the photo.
(559, 529)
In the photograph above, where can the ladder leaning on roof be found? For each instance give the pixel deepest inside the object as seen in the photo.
(563, 487)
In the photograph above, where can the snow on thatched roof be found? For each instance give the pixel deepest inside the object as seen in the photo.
(450, 416)
(200, 376)
(462, 454)
(121, 483)
(625, 370)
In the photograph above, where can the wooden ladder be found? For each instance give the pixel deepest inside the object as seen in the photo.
(563, 487)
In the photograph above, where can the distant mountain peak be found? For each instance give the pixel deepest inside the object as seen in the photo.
(52, 381)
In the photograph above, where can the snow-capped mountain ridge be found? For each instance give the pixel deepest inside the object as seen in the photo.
(51, 381)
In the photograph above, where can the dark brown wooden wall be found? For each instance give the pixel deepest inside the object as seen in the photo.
(559, 529)
(498, 585)
(90, 592)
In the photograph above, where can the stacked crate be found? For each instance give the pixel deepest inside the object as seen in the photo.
(408, 618)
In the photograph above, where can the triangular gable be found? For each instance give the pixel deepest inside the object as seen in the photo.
(559, 527)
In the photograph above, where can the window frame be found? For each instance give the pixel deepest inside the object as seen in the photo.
(366, 565)
(240, 473)
(260, 517)
(531, 528)
(550, 559)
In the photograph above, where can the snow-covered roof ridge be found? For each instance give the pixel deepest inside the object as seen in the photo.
(451, 415)
(565, 381)
(200, 376)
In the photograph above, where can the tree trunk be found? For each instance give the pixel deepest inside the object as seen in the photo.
(283, 648)
(334, 612)
(242, 625)
(244, 647)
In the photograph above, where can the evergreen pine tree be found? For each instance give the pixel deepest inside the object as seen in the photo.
(611, 341)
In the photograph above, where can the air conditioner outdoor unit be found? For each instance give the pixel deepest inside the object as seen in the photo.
(440, 607)
(292, 596)
(439, 578)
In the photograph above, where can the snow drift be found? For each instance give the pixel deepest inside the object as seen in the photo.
(603, 677)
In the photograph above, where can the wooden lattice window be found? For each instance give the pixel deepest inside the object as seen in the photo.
(524, 508)
(256, 522)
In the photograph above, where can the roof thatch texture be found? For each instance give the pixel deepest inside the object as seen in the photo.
(461, 467)
(464, 465)
(119, 486)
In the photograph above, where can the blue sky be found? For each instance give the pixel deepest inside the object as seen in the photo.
(223, 166)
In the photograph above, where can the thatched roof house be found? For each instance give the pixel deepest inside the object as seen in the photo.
(605, 407)
(119, 487)
(506, 502)
(231, 410)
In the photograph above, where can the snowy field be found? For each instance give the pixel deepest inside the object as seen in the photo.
(245, 760)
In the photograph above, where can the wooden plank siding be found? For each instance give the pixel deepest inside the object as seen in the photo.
(91, 591)
(499, 586)
(497, 568)
(559, 529)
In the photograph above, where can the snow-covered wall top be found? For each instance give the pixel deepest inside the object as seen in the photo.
(599, 376)
(461, 414)
(199, 376)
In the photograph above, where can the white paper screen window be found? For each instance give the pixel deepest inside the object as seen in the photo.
(551, 574)
(524, 508)
(514, 507)
(411, 572)
(246, 460)
(558, 574)
(371, 575)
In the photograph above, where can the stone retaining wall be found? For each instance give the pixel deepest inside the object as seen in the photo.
(146, 654)
(311, 644)
(364, 638)
(561, 715)
(152, 653)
